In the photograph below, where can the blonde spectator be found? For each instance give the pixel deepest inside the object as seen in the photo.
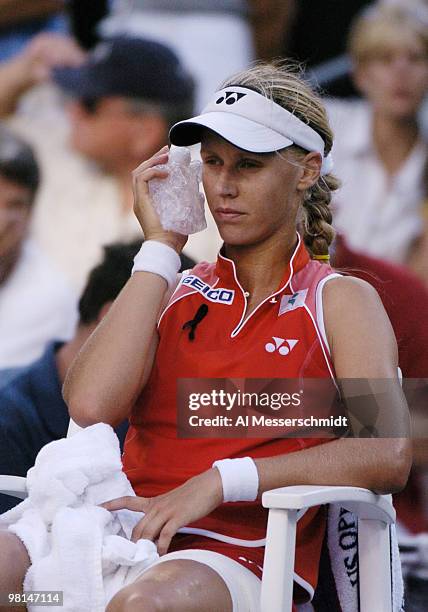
(379, 152)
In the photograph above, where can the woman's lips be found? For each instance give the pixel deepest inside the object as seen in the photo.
(228, 214)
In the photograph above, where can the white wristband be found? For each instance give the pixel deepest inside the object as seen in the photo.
(159, 259)
(240, 479)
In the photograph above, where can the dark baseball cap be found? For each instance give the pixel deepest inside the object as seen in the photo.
(129, 67)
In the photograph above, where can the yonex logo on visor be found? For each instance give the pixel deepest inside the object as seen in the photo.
(230, 97)
(252, 122)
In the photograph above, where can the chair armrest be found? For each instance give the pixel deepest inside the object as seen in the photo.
(375, 513)
(363, 503)
(16, 486)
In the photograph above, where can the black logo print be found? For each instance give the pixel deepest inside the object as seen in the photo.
(231, 97)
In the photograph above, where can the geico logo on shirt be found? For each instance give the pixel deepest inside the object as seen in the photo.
(224, 296)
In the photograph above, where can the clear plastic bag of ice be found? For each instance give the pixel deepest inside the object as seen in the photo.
(177, 199)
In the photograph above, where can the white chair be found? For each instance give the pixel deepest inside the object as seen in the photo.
(375, 515)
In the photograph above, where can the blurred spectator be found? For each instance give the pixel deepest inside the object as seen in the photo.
(36, 305)
(213, 39)
(33, 412)
(124, 98)
(379, 153)
(20, 20)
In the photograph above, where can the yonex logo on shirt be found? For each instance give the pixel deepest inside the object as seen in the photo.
(217, 294)
(283, 346)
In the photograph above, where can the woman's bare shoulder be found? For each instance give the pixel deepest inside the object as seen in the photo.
(351, 291)
(359, 333)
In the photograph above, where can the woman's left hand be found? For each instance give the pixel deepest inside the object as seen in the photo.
(166, 513)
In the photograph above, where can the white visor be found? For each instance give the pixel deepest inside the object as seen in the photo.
(251, 122)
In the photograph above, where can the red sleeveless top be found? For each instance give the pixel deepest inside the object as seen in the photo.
(228, 344)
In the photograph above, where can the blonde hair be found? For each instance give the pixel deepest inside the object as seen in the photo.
(282, 82)
(377, 29)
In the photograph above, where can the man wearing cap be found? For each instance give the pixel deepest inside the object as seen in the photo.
(122, 100)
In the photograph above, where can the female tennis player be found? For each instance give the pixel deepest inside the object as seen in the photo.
(269, 307)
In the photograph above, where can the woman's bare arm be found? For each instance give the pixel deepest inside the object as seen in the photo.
(363, 347)
(111, 369)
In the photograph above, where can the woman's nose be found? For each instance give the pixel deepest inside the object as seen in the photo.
(227, 185)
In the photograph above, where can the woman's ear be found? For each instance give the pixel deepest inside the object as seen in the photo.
(312, 170)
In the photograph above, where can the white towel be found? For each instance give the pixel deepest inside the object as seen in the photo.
(74, 545)
(342, 541)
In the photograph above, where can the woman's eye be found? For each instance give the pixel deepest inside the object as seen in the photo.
(211, 161)
(248, 163)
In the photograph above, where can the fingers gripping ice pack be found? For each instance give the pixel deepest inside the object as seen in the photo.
(177, 198)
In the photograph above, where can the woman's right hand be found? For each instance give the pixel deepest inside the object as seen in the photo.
(143, 205)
